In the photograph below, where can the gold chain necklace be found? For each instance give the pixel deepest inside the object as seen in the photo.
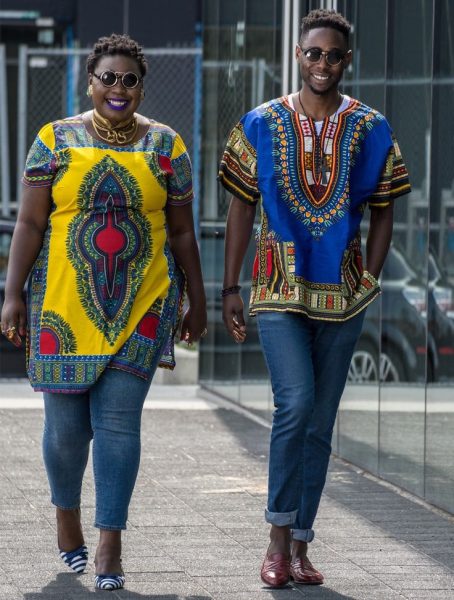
(123, 133)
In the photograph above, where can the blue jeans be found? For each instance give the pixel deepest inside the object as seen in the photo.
(110, 414)
(308, 362)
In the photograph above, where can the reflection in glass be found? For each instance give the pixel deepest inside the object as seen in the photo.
(219, 355)
(440, 392)
(404, 299)
(206, 346)
(255, 385)
(357, 423)
(357, 430)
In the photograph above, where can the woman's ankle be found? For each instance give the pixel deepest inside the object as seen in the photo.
(108, 553)
(69, 529)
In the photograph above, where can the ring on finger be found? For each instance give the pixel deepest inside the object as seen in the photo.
(10, 332)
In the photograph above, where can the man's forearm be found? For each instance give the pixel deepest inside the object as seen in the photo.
(240, 222)
(379, 238)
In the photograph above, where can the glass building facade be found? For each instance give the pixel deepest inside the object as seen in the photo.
(397, 414)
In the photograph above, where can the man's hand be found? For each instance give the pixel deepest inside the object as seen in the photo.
(232, 315)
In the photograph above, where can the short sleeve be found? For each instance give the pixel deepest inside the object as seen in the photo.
(238, 168)
(393, 182)
(41, 164)
(179, 182)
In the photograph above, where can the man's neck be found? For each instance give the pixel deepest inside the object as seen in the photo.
(319, 106)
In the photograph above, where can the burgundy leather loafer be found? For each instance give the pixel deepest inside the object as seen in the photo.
(303, 571)
(276, 570)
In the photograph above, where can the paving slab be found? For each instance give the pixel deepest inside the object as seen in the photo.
(196, 529)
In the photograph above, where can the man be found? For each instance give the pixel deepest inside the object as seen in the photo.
(316, 158)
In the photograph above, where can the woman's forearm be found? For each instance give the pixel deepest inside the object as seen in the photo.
(25, 246)
(183, 243)
(185, 250)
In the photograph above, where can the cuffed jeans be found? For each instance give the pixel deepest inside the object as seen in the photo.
(308, 362)
(110, 414)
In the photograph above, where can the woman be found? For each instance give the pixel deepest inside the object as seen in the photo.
(105, 224)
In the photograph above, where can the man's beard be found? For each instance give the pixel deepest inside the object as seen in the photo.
(322, 92)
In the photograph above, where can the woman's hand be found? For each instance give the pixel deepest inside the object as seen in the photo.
(194, 324)
(14, 320)
(232, 315)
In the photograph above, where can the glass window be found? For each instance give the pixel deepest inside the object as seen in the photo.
(409, 38)
(439, 419)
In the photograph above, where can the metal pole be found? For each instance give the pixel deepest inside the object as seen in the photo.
(295, 27)
(197, 124)
(125, 16)
(21, 117)
(4, 142)
(69, 73)
(285, 46)
(261, 80)
(254, 83)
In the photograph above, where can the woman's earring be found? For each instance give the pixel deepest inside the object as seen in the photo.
(142, 94)
(90, 90)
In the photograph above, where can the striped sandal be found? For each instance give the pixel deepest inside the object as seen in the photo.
(76, 559)
(109, 582)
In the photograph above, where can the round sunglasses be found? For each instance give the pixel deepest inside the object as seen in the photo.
(129, 80)
(333, 57)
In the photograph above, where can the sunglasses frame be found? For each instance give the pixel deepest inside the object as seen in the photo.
(119, 76)
(323, 53)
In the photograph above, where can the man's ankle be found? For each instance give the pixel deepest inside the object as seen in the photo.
(279, 540)
(299, 549)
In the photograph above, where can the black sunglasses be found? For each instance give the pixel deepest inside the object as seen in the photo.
(333, 57)
(129, 80)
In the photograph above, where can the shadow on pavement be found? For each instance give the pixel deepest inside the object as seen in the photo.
(68, 586)
(317, 592)
(322, 593)
(407, 522)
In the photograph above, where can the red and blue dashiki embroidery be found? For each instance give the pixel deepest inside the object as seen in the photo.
(314, 187)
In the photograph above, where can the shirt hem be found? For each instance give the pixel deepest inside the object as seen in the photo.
(349, 313)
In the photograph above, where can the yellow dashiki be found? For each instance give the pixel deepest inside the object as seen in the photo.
(104, 290)
(314, 181)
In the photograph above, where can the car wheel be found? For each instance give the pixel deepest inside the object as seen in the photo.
(363, 367)
(391, 369)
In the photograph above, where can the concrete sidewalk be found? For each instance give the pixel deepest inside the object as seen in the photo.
(196, 527)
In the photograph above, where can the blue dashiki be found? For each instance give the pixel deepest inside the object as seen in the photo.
(314, 181)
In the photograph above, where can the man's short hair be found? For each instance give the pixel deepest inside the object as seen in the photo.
(321, 17)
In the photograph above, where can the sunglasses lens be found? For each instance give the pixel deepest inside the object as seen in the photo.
(313, 54)
(130, 80)
(334, 57)
(108, 78)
